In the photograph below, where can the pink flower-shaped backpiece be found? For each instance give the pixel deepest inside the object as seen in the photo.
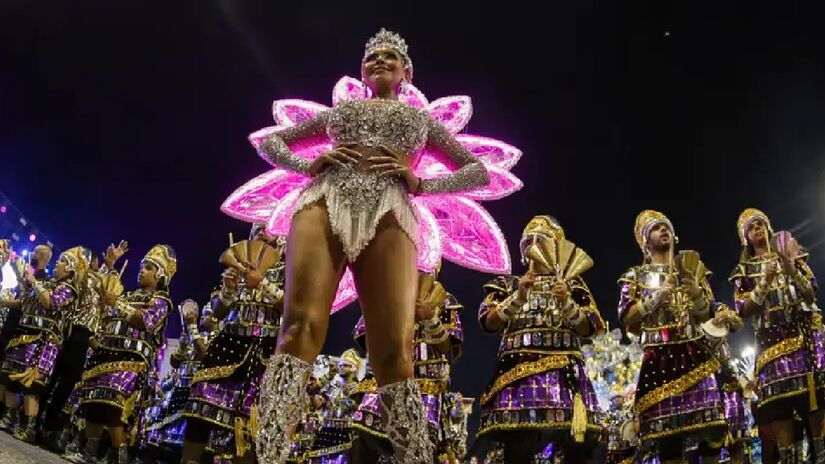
(453, 226)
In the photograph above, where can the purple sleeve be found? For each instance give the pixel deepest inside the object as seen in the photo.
(802, 265)
(359, 334)
(456, 333)
(626, 297)
(584, 299)
(455, 328)
(155, 313)
(742, 287)
(61, 296)
(497, 290)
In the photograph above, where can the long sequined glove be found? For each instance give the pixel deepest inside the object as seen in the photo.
(275, 148)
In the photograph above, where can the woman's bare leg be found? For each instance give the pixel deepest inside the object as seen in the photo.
(387, 280)
(314, 264)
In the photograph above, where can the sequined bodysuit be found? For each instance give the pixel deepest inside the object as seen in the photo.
(357, 199)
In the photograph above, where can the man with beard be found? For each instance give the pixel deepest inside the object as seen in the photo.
(677, 396)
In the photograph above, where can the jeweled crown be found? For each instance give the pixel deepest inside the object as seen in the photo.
(389, 39)
(386, 39)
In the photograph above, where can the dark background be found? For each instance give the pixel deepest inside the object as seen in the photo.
(129, 120)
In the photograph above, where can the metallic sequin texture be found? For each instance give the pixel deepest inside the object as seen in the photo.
(358, 200)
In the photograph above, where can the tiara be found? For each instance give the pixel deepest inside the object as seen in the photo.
(387, 39)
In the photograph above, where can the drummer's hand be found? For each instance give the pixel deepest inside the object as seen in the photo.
(692, 288)
(721, 319)
(424, 311)
(231, 279)
(666, 291)
(525, 283)
(772, 269)
(561, 292)
(787, 263)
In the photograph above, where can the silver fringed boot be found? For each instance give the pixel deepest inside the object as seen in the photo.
(282, 403)
(405, 422)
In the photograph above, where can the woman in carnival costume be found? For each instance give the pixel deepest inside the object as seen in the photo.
(540, 406)
(360, 205)
(774, 284)
(122, 371)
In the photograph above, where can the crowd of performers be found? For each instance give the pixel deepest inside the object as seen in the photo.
(357, 201)
(89, 353)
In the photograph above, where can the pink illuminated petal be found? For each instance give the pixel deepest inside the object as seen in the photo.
(452, 112)
(429, 238)
(413, 97)
(308, 148)
(348, 88)
(502, 184)
(278, 224)
(255, 200)
(471, 238)
(346, 293)
(491, 151)
(428, 165)
(292, 111)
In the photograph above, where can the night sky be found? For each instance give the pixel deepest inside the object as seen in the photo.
(129, 120)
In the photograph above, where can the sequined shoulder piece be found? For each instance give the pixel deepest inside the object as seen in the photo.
(506, 283)
(630, 276)
(452, 303)
(737, 272)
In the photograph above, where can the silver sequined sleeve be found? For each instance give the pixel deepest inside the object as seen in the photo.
(275, 148)
(469, 173)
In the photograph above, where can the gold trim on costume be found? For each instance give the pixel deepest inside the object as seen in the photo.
(537, 425)
(677, 386)
(365, 429)
(524, 370)
(787, 346)
(689, 428)
(117, 366)
(23, 340)
(431, 387)
(215, 372)
(365, 386)
(789, 394)
(219, 372)
(129, 407)
(25, 378)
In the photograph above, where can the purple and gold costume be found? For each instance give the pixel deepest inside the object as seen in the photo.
(540, 367)
(677, 393)
(540, 403)
(123, 367)
(789, 344)
(225, 388)
(31, 353)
